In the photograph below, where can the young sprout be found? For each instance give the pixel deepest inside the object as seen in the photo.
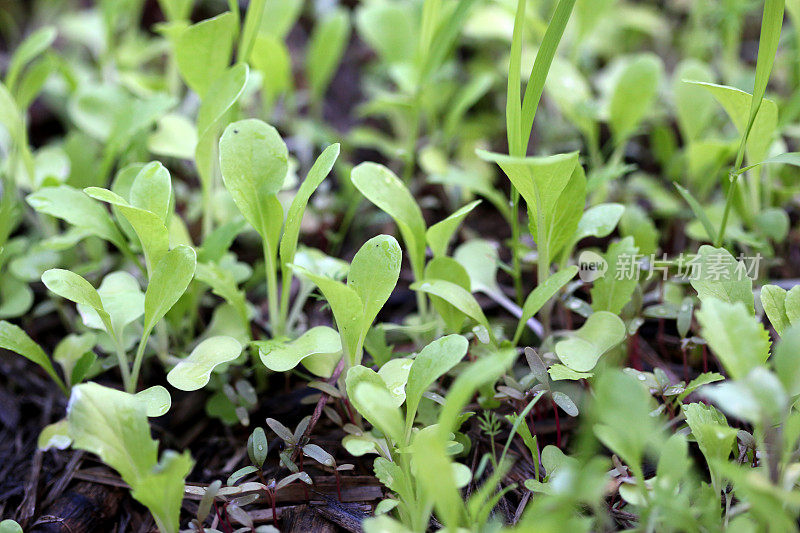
(254, 163)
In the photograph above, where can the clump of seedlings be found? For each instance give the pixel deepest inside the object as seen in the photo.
(569, 302)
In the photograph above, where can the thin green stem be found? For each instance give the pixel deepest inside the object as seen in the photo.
(543, 268)
(137, 363)
(207, 219)
(133, 258)
(543, 246)
(516, 261)
(275, 321)
(107, 163)
(733, 175)
(519, 420)
(162, 341)
(413, 137)
(417, 261)
(344, 227)
(492, 455)
(297, 307)
(286, 289)
(122, 359)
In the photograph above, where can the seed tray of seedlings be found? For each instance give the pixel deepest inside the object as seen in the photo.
(399, 266)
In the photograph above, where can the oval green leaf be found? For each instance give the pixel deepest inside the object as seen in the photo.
(194, 372)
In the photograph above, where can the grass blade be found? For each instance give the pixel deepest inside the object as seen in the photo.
(513, 96)
(771, 22)
(789, 158)
(541, 66)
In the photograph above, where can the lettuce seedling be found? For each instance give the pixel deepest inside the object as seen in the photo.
(614, 290)
(326, 47)
(520, 113)
(319, 350)
(381, 187)
(193, 372)
(601, 332)
(782, 307)
(254, 163)
(554, 188)
(426, 474)
(373, 275)
(113, 425)
(10, 526)
(170, 278)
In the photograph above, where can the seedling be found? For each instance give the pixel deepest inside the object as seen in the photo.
(155, 186)
(254, 163)
(355, 304)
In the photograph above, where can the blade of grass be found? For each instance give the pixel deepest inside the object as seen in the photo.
(520, 420)
(513, 133)
(789, 158)
(513, 96)
(519, 116)
(445, 37)
(541, 66)
(771, 22)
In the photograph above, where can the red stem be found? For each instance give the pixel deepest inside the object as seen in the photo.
(223, 519)
(338, 484)
(318, 409)
(349, 411)
(633, 346)
(274, 509)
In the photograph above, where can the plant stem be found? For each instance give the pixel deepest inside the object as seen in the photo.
(207, 219)
(137, 363)
(726, 212)
(338, 484)
(275, 321)
(492, 455)
(122, 359)
(733, 176)
(515, 259)
(286, 289)
(413, 136)
(543, 267)
(422, 300)
(323, 399)
(344, 226)
(297, 307)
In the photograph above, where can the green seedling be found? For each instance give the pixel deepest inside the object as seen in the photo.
(381, 187)
(463, 434)
(114, 426)
(254, 162)
(171, 276)
(355, 304)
